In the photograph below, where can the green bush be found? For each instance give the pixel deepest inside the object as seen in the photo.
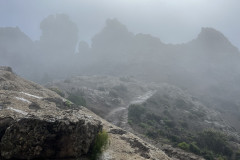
(113, 93)
(214, 141)
(183, 146)
(153, 117)
(118, 91)
(174, 138)
(68, 103)
(99, 145)
(77, 99)
(170, 123)
(144, 125)
(135, 111)
(237, 156)
(194, 148)
(130, 122)
(184, 124)
(221, 158)
(58, 91)
(152, 133)
(208, 155)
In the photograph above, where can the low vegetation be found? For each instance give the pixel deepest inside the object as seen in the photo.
(119, 91)
(58, 91)
(77, 98)
(157, 123)
(100, 143)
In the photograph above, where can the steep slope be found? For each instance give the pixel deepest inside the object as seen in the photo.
(207, 67)
(161, 114)
(101, 93)
(36, 123)
(172, 115)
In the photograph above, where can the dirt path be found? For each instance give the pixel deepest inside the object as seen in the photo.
(119, 116)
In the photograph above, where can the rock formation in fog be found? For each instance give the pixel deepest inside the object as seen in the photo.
(59, 36)
(15, 48)
(210, 61)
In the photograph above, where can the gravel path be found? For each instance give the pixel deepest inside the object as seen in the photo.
(119, 116)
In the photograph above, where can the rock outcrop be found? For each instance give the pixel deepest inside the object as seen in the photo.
(37, 123)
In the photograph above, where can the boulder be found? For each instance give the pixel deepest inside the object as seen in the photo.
(36, 123)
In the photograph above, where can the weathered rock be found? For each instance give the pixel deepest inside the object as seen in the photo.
(6, 68)
(36, 123)
(32, 137)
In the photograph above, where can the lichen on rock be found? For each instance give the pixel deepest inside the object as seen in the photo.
(43, 128)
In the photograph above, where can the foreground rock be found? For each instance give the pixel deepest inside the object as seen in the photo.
(37, 123)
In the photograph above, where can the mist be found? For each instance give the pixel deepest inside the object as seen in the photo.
(179, 57)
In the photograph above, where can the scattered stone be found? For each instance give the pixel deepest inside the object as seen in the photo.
(6, 68)
(34, 106)
(141, 148)
(117, 131)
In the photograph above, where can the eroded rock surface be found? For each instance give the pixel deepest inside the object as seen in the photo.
(36, 123)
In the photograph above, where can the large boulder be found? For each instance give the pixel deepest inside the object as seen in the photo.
(36, 123)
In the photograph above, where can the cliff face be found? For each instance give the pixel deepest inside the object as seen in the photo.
(36, 123)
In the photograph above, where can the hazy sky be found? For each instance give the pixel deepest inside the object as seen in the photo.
(173, 21)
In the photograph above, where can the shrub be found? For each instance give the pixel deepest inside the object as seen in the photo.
(221, 158)
(135, 111)
(181, 103)
(173, 138)
(120, 88)
(58, 91)
(168, 114)
(183, 146)
(101, 89)
(170, 123)
(99, 145)
(214, 141)
(208, 155)
(77, 99)
(144, 125)
(184, 124)
(130, 122)
(68, 103)
(118, 91)
(113, 94)
(153, 117)
(237, 155)
(194, 148)
(152, 133)
(125, 79)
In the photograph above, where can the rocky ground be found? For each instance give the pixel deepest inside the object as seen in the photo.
(110, 97)
(37, 123)
(138, 92)
(125, 145)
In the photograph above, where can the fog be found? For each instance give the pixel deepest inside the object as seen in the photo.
(172, 21)
(166, 69)
(155, 41)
